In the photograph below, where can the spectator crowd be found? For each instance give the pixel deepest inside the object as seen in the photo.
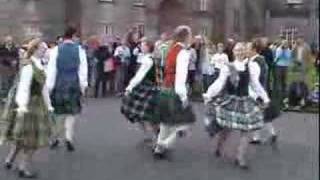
(293, 68)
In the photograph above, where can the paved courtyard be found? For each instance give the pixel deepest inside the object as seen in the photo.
(108, 148)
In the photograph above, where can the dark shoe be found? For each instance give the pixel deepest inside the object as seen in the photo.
(274, 139)
(256, 142)
(27, 175)
(241, 164)
(54, 144)
(217, 153)
(8, 165)
(159, 152)
(182, 134)
(70, 146)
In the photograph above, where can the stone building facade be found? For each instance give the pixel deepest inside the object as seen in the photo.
(218, 19)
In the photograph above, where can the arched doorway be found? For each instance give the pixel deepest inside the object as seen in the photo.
(171, 14)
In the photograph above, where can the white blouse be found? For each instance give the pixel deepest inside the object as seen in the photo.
(146, 64)
(52, 69)
(24, 87)
(182, 65)
(218, 59)
(254, 70)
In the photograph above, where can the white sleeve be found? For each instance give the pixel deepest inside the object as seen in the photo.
(83, 69)
(117, 51)
(23, 89)
(226, 59)
(141, 73)
(255, 84)
(218, 84)
(52, 69)
(181, 74)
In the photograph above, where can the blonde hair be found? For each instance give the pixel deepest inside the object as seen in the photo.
(31, 48)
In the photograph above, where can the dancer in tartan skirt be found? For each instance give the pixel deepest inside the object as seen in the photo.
(138, 104)
(25, 122)
(235, 109)
(174, 112)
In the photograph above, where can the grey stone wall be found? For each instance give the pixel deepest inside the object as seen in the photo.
(25, 18)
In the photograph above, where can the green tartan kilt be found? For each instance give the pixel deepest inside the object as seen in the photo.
(169, 109)
(32, 130)
(139, 105)
(240, 113)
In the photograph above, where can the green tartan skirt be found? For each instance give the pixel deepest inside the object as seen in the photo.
(32, 130)
(169, 109)
(240, 113)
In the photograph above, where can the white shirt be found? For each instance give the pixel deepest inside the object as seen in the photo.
(207, 67)
(123, 52)
(254, 70)
(24, 87)
(52, 69)
(146, 65)
(182, 64)
(218, 59)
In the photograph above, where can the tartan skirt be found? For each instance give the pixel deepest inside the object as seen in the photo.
(32, 131)
(239, 113)
(169, 109)
(140, 104)
(211, 125)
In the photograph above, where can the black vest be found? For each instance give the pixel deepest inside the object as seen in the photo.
(263, 71)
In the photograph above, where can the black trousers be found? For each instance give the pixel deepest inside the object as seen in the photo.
(280, 81)
(101, 80)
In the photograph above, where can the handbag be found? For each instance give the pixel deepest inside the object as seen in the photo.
(108, 65)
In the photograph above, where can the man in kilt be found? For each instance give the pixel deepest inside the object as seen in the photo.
(235, 109)
(173, 111)
(138, 104)
(67, 81)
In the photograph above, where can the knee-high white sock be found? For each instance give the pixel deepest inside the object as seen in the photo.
(12, 154)
(270, 129)
(69, 126)
(256, 135)
(26, 160)
(242, 148)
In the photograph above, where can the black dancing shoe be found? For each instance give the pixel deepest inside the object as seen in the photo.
(70, 146)
(217, 153)
(241, 164)
(54, 144)
(27, 174)
(274, 139)
(182, 134)
(256, 142)
(160, 152)
(8, 165)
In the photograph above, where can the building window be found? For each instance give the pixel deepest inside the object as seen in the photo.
(294, 2)
(108, 29)
(141, 29)
(139, 3)
(204, 30)
(32, 29)
(289, 33)
(107, 1)
(236, 20)
(203, 5)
